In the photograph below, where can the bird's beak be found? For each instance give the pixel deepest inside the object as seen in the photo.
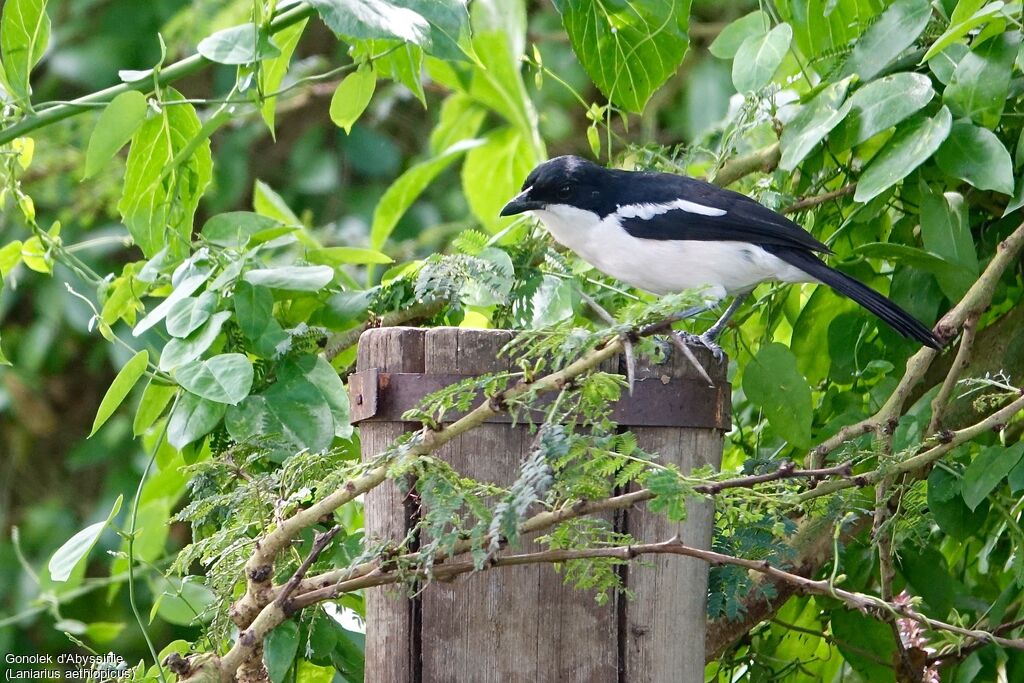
(520, 203)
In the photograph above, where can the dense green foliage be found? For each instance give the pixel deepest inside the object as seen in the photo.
(189, 252)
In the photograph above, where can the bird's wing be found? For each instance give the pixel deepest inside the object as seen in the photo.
(688, 209)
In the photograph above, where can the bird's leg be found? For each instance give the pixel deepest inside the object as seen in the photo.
(707, 339)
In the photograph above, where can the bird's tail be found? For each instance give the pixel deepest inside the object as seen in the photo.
(890, 313)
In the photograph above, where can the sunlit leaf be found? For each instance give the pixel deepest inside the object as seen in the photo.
(773, 373)
(977, 156)
(759, 57)
(896, 30)
(880, 105)
(243, 44)
(24, 35)
(352, 96)
(912, 144)
(75, 549)
(225, 378)
(114, 128)
(120, 387)
(727, 43)
(193, 418)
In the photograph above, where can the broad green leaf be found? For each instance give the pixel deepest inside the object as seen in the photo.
(499, 84)
(944, 64)
(965, 25)
(977, 156)
(628, 47)
(295, 278)
(152, 526)
(188, 314)
(235, 228)
(553, 302)
(243, 44)
(773, 374)
(254, 308)
(373, 19)
(1016, 477)
(154, 399)
(460, 119)
(119, 388)
(36, 256)
(183, 602)
(912, 144)
(307, 672)
(400, 61)
(279, 650)
(114, 128)
(352, 96)
(911, 256)
(880, 105)
(987, 471)
(867, 644)
(273, 71)
(494, 172)
(75, 549)
(292, 410)
(896, 30)
(24, 35)
(182, 289)
(268, 203)
(947, 505)
(981, 81)
(404, 191)
(225, 378)
(759, 57)
(3, 358)
(812, 123)
(180, 351)
(927, 572)
(449, 26)
(158, 202)
(336, 256)
(946, 232)
(325, 378)
(192, 419)
(10, 257)
(727, 43)
(810, 330)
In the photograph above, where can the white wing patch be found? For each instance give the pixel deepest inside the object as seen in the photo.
(647, 211)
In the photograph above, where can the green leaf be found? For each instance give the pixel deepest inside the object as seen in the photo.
(325, 378)
(946, 232)
(268, 203)
(292, 410)
(254, 308)
(927, 572)
(120, 387)
(494, 172)
(553, 302)
(336, 256)
(404, 191)
(181, 601)
(115, 127)
(977, 156)
(773, 383)
(273, 70)
(352, 96)
(987, 471)
(812, 123)
(629, 48)
(193, 418)
(449, 26)
(159, 201)
(154, 399)
(963, 26)
(75, 549)
(279, 650)
(294, 278)
(307, 672)
(460, 119)
(3, 358)
(373, 19)
(243, 44)
(866, 643)
(896, 30)
(10, 257)
(728, 42)
(225, 378)
(235, 228)
(188, 314)
(759, 57)
(1016, 477)
(948, 508)
(981, 81)
(912, 144)
(944, 64)
(180, 351)
(183, 289)
(880, 105)
(24, 35)
(911, 256)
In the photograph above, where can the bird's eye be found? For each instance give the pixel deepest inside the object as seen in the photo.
(565, 191)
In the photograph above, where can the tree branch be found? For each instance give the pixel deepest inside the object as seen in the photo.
(761, 161)
(349, 338)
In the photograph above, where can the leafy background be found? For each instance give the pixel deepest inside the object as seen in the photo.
(309, 177)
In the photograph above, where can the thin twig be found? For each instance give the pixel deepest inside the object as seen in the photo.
(349, 338)
(815, 200)
(963, 359)
(320, 544)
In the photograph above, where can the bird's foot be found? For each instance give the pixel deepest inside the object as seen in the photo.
(705, 340)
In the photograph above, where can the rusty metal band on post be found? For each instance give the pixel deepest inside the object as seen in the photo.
(656, 401)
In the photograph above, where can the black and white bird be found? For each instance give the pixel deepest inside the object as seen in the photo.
(667, 233)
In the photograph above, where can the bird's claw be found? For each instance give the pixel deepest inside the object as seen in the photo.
(706, 341)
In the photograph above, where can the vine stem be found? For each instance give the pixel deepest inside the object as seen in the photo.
(174, 72)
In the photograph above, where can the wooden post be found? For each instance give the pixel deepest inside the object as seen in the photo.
(522, 623)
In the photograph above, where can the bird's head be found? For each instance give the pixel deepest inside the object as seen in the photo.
(563, 181)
